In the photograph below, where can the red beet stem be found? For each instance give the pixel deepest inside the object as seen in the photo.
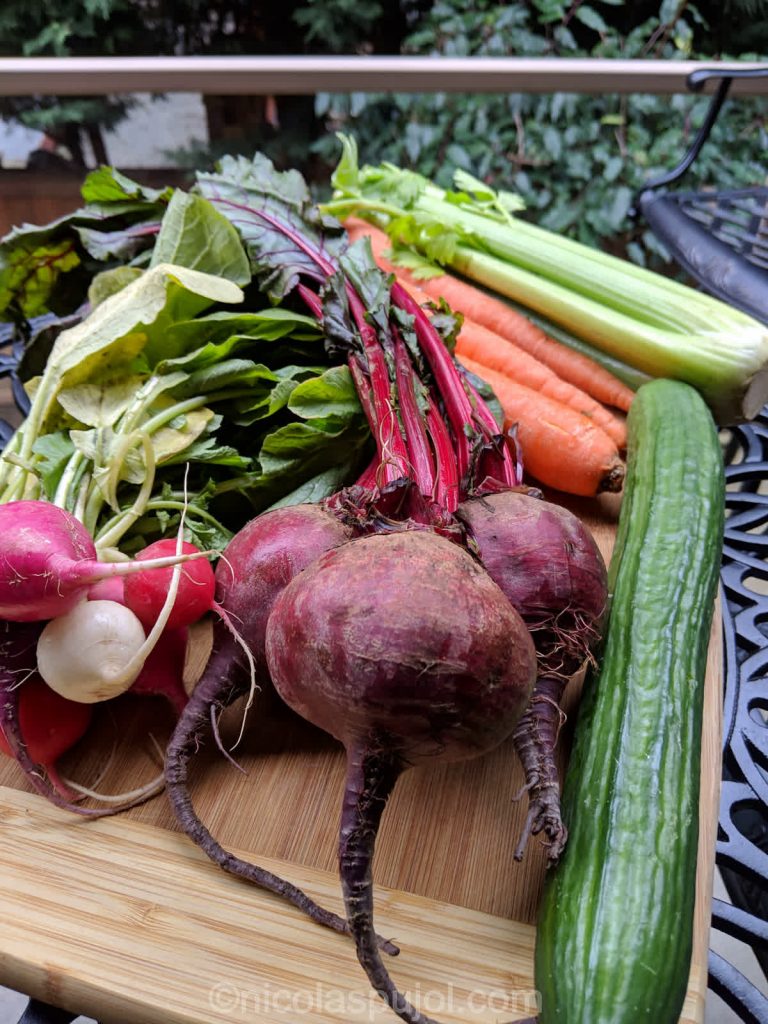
(498, 462)
(449, 384)
(535, 739)
(311, 300)
(390, 440)
(370, 780)
(447, 482)
(413, 420)
(226, 678)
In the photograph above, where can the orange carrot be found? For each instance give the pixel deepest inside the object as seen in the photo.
(496, 353)
(497, 316)
(561, 448)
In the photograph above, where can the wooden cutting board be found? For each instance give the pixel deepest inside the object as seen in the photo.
(125, 920)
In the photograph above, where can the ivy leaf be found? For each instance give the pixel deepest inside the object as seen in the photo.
(591, 18)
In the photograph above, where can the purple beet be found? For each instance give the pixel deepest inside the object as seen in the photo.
(253, 570)
(547, 564)
(403, 648)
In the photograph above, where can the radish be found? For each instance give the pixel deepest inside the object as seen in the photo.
(403, 648)
(145, 592)
(49, 726)
(18, 643)
(163, 671)
(547, 564)
(48, 561)
(83, 655)
(253, 570)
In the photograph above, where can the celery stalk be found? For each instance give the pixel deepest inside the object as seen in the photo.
(652, 323)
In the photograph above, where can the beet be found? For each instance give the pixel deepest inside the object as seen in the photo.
(547, 563)
(253, 570)
(403, 648)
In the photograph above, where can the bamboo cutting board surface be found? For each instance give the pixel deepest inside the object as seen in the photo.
(125, 920)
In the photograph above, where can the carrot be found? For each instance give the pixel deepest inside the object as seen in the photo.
(497, 316)
(561, 448)
(496, 353)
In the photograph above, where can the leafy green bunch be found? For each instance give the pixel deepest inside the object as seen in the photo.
(164, 393)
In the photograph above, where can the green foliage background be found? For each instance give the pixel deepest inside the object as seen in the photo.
(576, 160)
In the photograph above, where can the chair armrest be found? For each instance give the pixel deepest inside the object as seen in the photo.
(699, 78)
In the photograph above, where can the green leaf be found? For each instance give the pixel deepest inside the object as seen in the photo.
(107, 185)
(171, 441)
(330, 395)
(54, 452)
(208, 450)
(110, 282)
(99, 404)
(276, 218)
(591, 18)
(319, 487)
(225, 374)
(195, 234)
(132, 321)
(28, 272)
(269, 325)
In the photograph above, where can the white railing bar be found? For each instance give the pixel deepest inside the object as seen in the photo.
(95, 76)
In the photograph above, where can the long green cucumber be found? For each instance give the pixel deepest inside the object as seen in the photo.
(615, 925)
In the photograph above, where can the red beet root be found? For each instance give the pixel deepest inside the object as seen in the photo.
(254, 569)
(546, 562)
(403, 648)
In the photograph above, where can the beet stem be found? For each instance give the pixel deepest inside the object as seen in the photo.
(370, 780)
(416, 436)
(224, 680)
(535, 739)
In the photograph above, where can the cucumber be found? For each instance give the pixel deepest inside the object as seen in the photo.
(616, 920)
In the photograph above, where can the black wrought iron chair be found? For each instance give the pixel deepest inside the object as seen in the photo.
(720, 238)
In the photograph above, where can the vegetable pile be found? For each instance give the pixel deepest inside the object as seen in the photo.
(353, 456)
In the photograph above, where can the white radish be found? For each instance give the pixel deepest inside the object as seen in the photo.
(83, 655)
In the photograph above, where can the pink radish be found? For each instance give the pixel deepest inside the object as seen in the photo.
(162, 675)
(403, 648)
(48, 561)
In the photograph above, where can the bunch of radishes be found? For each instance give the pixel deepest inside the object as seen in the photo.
(79, 631)
(426, 613)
